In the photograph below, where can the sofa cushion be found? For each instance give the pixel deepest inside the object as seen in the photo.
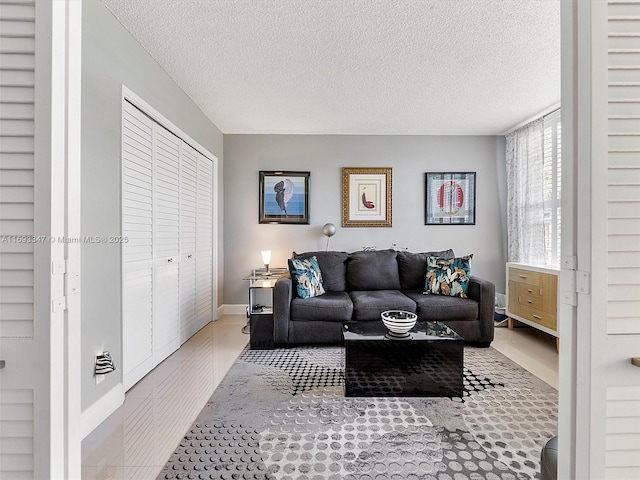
(412, 267)
(306, 276)
(441, 307)
(373, 270)
(369, 304)
(333, 266)
(332, 306)
(448, 276)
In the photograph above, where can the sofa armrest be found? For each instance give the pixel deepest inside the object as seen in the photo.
(282, 294)
(484, 292)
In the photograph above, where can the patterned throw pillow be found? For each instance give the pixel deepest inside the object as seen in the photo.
(305, 272)
(448, 276)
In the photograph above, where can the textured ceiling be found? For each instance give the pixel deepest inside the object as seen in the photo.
(416, 67)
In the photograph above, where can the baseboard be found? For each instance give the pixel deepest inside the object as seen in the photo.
(100, 410)
(233, 309)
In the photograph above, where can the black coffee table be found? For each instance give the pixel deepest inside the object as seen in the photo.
(428, 363)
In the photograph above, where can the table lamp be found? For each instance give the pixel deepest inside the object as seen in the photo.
(266, 259)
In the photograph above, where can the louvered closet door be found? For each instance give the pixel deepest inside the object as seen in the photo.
(17, 382)
(204, 267)
(188, 220)
(623, 241)
(137, 253)
(166, 220)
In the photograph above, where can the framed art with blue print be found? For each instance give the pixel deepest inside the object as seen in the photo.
(284, 197)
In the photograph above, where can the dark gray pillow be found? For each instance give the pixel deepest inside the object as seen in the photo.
(413, 267)
(333, 268)
(373, 270)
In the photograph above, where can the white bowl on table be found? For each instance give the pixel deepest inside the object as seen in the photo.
(398, 321)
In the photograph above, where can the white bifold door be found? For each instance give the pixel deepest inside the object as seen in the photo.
(620, 281)
(20, 385)
(166, 244)
(167, 189)
(204, 244)
(188, 240)
(137, 253)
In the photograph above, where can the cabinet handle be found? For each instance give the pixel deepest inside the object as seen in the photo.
(522, 276)
(189, 256)
(538, 317)
(529, 290)
(529, 301)
(635, 361)
(170, 260)
(2, 364)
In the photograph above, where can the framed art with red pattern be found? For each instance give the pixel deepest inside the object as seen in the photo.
(450, 198)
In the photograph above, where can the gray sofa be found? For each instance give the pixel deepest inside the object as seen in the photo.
(361, 285)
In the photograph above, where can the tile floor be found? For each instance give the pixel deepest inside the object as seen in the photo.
(136, 441)
(531, 349)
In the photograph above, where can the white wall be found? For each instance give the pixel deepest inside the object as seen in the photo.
(323, 156)
(111, 58)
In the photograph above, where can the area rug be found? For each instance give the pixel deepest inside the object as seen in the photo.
(281, 414)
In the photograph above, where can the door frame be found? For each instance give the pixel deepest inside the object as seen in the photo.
(57, 451)
(63, 376)
(582, 402)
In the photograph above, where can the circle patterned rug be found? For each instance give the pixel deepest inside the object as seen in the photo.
(281, 414)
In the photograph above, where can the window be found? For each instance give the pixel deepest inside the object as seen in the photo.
(533, 191)
(551, 184)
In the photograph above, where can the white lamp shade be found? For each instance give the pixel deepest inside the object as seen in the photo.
(266, 257)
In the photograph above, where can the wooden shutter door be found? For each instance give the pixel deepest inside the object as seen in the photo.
(188, 203)
(204, 267)
(137, 253)
(166, 219)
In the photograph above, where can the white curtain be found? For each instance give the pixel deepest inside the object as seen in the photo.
(525, 178)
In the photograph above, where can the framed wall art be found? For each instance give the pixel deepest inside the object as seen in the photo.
(366, 197)
(450, 198)
(284, 197)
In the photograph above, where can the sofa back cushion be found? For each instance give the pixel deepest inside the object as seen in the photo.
(412, 267)
(373, 270)
(333, 266)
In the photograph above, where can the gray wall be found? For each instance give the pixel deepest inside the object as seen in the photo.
(111, 58)
(323, 156)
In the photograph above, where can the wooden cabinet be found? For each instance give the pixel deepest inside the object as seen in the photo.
(532, 297)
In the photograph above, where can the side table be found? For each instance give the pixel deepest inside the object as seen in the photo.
(260, 309)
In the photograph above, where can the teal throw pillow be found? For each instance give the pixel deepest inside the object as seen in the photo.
(448, 276)
(307, 276)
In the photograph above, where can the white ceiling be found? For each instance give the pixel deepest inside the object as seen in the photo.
(413, 67)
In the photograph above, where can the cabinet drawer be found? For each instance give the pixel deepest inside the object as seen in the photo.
(529, 290)
(525, 276)
(538, 316)
(530, 300)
